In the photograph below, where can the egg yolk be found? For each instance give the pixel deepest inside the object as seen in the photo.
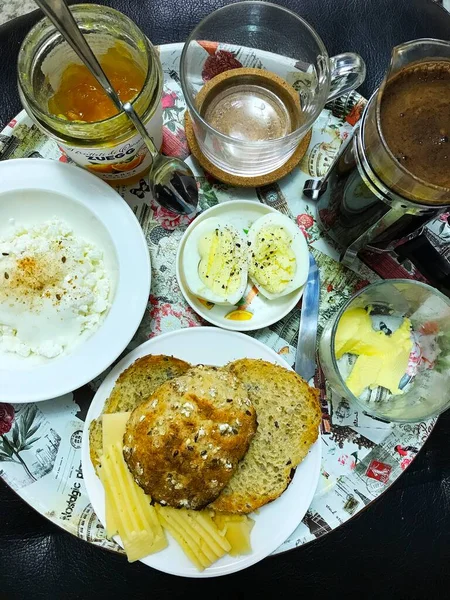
(239, 315)
(273, 263)
(81, 98)
(220, 264)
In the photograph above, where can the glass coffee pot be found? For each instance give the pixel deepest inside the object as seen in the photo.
(393, 175)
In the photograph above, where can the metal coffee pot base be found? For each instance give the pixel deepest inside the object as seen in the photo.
(358, 211)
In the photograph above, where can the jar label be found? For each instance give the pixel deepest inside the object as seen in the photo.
(121, 162)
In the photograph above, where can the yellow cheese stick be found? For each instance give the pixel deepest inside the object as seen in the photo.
(140, 502)
(113, 490)
(205, 534)
(148, 511)
(128, 509)
(131, 491)
(156, 525)
(186, 535)
(221, 518)
(113, 428)
(111, 513)
(187, 525)
(125, 491)
(188, 549)
(121, 488)
(238, 534)
(159, 543)
(208, 524)
(236, 529)
(137, 545)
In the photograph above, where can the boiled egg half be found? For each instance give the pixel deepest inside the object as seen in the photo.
(215, 262)
(278, 255)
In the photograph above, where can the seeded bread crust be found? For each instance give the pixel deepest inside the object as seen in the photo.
(133, 386)
(184, 443)
(288, 414)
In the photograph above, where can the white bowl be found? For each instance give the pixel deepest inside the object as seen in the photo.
(241, 214)
(35, 190)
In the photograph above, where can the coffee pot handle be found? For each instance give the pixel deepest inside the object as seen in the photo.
(314, 188)
(348, 72)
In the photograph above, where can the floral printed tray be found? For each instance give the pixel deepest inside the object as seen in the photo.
(40, 444)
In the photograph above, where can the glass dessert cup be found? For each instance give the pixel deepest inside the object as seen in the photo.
(426, 384)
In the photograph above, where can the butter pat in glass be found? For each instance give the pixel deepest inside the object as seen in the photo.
(388, 350)
(382, 357)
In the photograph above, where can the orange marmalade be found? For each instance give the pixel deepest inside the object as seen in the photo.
(66, 102)
(80, 96)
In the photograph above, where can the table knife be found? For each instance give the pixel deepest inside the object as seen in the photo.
(305, 356)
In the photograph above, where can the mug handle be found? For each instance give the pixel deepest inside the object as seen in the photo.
(348, 71)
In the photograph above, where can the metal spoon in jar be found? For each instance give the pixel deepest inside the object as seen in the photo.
(171, 181)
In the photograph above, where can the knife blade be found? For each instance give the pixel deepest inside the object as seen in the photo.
(305, 356)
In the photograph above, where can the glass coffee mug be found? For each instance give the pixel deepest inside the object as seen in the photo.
(255, 77)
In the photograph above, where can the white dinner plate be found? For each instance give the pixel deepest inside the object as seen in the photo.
(241, 214)
(33, 191)
(275, 521)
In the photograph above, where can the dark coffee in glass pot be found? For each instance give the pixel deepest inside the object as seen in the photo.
(415, 120)
(393, 176)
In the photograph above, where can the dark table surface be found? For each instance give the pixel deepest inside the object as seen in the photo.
(399, 547)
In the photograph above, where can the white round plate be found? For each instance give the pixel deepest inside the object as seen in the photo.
(275, 521)
(241, 214)
(35, 190)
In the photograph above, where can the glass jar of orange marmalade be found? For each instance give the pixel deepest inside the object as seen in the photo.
(68, 104)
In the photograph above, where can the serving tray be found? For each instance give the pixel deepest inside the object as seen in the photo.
(40, 444)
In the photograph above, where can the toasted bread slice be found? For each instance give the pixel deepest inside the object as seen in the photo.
(133, 386)
(183, 444)
(288, 415)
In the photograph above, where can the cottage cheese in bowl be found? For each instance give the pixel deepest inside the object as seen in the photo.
(75, 278)
(54, 289)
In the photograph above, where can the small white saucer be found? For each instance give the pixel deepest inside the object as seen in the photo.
(241, 214)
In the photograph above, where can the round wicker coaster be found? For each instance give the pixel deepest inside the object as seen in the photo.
(243, 181)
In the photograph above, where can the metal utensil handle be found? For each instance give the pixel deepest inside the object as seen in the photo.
(305, 357)
(314, 188)
(59, 14)
(129, 110)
